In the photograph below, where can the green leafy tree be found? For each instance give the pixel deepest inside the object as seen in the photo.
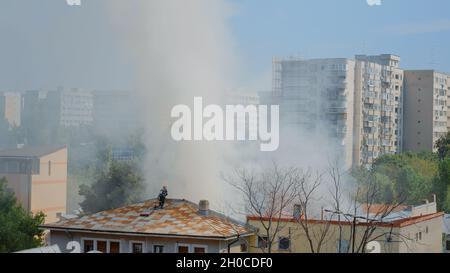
(443, 146)
(19, 229)
(120, 184)
(407, 176)
(442, 185)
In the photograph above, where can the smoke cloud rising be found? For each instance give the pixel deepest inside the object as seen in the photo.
(182, 49)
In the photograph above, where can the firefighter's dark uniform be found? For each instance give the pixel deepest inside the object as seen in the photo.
(162, 197)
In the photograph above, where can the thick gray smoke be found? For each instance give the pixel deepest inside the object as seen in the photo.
(182, 49)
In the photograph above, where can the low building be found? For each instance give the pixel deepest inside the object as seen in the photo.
(38, 178)
(180, 227)
(411, 230)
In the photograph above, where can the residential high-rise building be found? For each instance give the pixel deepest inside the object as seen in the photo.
(76, 107)
(40, 112)
(316, 96)
(12, 108)
(378, 107)
(357, 103)
(426, 109)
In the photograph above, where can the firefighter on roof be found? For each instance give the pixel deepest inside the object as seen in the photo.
(162, 197)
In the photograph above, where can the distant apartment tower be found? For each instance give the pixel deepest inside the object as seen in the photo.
(358, 103)
(76, 107)
(426, 109)
(38, 178)
(316, 96)
(378, 107)
(10, 107)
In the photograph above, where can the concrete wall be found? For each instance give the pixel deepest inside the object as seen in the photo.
(405, 243)
(49, 187)
(425, 237)
(418, 116)
(20, 185)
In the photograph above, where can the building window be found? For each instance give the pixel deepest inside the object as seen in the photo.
(183, 249)
(88, 246)
(49, 168)
(101, 246)
(114, 247)
(448, 245)
(137, 247)
(158, 249)
(104, 246)
(263, 241)
(284, 243)
(199, 249)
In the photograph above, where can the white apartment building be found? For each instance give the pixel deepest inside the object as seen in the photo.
(426, 109)
(76, 108)
(378, 107)
(357, 103)
(316, 96)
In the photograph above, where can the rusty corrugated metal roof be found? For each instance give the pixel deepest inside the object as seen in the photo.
(178, 218)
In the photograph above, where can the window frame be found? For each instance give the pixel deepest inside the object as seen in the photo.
(193, 246)
(130, 246)
(177, 245)
(157, 245)
(108, 243)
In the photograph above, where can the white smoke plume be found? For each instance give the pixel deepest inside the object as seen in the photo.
(182, 49)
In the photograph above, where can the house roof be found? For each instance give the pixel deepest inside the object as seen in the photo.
(403, 222)
(382, 208)
(179, 218)
(31, 151)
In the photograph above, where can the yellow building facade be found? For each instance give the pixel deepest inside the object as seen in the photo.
(38, 178)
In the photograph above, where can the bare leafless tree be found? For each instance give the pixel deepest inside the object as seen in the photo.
(373, 216)
(316, 232)
(268, 195)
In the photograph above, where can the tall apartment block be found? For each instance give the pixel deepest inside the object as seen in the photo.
(358, 103)
(10, 107)
(316, 96)
(76, 107)
(378, 107)
(426, 109)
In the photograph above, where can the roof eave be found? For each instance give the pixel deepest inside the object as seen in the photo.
(131, 233)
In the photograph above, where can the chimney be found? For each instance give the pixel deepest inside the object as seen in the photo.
(203, 207)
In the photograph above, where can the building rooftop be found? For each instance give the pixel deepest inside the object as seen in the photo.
(31, 151)
(179, 218)
(404, 222)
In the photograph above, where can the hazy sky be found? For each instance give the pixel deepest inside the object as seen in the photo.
(47, 43)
